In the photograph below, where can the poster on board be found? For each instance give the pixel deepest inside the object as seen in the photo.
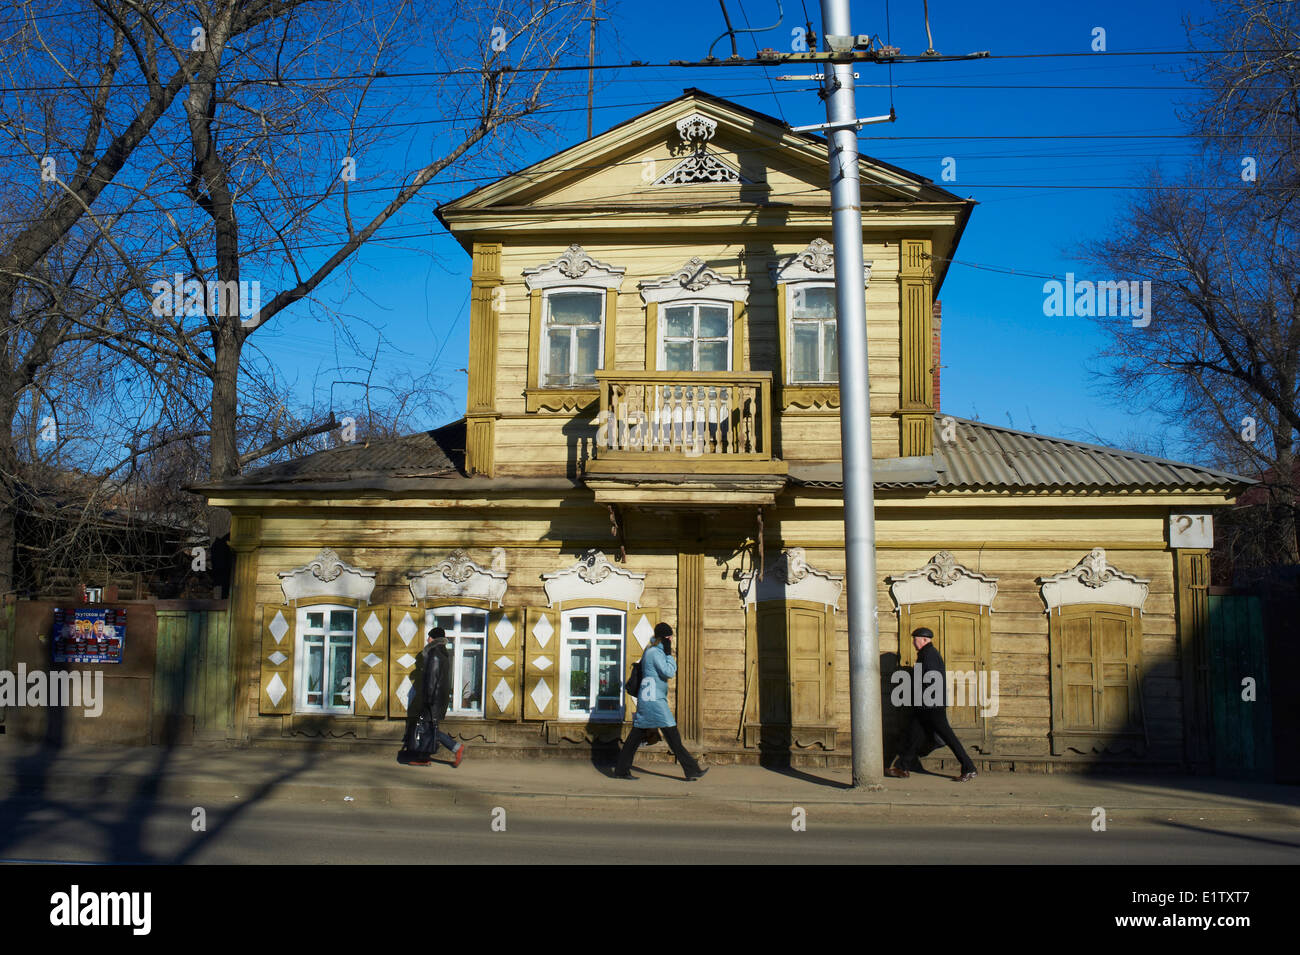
(89, 635)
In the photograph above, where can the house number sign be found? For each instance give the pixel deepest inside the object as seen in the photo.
(1191, 530)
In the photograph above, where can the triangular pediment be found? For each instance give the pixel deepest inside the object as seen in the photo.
(696, 147)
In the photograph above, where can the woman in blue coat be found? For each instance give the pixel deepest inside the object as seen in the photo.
(652, 711)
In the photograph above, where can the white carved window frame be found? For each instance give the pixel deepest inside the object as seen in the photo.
(695, 283)
(593, 578)
(663, 330)
(573, 271)
(814, 267)
(300, 704)
(458, 653)
(790, 577)
(565, 663)
(458, 577)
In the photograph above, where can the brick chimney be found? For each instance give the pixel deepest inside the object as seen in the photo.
(936, 320)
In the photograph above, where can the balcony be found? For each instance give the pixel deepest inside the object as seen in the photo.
(687, 438)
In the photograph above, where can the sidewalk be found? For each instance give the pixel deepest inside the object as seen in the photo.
(319, 776)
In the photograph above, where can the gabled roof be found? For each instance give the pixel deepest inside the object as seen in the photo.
(886, 189)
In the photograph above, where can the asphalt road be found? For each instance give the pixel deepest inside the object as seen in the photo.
(262, 833)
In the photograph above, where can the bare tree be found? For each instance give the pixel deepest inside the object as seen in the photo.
(1220, 245)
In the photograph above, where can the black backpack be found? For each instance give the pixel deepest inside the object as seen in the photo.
(633, 684)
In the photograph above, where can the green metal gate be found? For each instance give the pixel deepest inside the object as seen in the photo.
(1243, 728)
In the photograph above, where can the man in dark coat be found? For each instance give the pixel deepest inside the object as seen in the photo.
(928, 716)
(429, 696)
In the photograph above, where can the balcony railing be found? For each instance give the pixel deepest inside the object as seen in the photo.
(723, 415)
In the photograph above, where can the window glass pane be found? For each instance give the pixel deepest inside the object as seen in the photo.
(315, 621)
(314, 676)
(609, 624)
(609, 692)
(340, 620)
(830, 353)
(677, 356)
(575, 308)
(579, 624)
(588, 355)
(579, 675)
(445, 620)
(813, 303)
(804, 357)
(713, 321)
(473, 623)
(557, 357)
(341, 673)
(713, 356)
(471, 683)
(679, 322)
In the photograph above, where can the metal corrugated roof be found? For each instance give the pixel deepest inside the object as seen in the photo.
(983, 455)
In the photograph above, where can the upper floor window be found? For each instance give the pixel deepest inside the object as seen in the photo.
(573, 301)
(692, 320)
(574, 337)
(325, 672)
(805, 284)
(814, 352)
(696, 337)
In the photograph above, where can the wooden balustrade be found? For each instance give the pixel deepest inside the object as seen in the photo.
(667, 414)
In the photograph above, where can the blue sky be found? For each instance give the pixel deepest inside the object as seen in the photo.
(1048, 146)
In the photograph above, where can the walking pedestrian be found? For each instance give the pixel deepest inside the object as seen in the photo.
(652, 711)
(929, 720)
(432, 689)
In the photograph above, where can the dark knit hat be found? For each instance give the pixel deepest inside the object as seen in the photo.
(437, 633)
(925, 632)
(663, 630)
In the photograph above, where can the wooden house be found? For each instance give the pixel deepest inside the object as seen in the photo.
(652, 433)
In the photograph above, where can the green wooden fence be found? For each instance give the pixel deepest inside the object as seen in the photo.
(1243, 729)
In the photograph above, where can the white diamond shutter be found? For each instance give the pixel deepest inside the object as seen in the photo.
(405, 641)
(370, 691)
(541, 663)
(504, 638)
(275, 689)
(640, 628)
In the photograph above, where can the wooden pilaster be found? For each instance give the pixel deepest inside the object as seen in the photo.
(1192, 590)
(245, 534)
(690, 631)
(916, 393)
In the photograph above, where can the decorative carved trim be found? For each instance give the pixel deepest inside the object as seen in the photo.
(810, 397)
(696, 130)
(574, 267)
(790, 577)
(459, 576)
(816, 261)
(560, 399)
(692, 279)
(1094, 580)
(940, 580)
(326, 576)
(702, 168)
(593, 576)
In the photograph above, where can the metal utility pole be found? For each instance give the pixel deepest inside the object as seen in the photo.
(855, 404)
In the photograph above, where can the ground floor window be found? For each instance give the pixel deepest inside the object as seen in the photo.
(466, 630)
(591, 664)
(324, 676)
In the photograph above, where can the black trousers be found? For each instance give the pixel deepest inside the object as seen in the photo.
(674, 739)
(927, 721)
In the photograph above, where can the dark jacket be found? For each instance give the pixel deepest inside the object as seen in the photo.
(432, 683)
(929, 661)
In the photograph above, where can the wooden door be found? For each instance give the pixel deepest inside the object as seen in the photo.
(808, 666)
(1099, 680)
(773, 665)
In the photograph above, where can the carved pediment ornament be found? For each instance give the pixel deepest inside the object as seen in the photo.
(696, 130)
(815, 262)
(791, 577)
(326, 575)
(695, 276)
(943, 579)
(593, 576)
(575, 265)
(1094, 580)
(459, 576)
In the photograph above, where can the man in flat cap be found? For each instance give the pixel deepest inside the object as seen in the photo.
(928, 716)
